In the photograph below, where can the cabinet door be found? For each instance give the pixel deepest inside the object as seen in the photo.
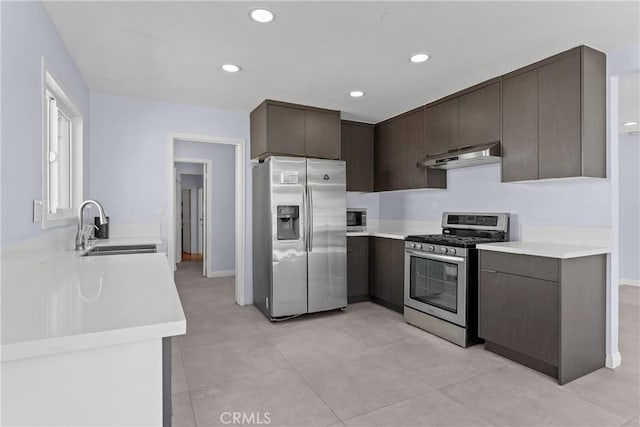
(398, 154)
(380, 256)
(322, 134)
(361, 158)
(382, 157)
(357, 268)
(345, 150)
(285, 130)
(397, 272)
(559, 118)
(416, 150)
(520, 127)
(520, 313)
(480, 116)
(441, 126)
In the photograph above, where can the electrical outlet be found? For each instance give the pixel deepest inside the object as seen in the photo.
(37, 211)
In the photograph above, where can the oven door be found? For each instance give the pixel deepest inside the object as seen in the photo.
(437, 285)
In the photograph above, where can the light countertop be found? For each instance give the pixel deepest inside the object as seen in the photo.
(387, 234)
(544, 249)
(123, 241)
(75, 303)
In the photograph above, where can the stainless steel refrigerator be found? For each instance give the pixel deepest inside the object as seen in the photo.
(299, 236)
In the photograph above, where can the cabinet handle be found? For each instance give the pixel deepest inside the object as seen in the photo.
(488, 271)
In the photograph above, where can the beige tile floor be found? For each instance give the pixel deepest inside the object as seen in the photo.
(366, 367)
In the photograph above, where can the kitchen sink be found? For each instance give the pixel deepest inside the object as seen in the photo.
(121, 250)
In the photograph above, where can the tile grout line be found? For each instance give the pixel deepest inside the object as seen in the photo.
(317, 394)
(435, 390)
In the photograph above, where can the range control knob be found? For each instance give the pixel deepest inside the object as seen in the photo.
(445, 250)
(452, 251)
(432, 248)
(413, 245)
(419, 246)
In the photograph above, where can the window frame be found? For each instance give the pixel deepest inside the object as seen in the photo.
(51, 87)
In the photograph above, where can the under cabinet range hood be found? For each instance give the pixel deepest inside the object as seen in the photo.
(463, 157)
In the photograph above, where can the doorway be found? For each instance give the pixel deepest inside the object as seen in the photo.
(192, 212)
(186, 223)
(230, 221)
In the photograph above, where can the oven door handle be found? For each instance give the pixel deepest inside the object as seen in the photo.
(435, 257)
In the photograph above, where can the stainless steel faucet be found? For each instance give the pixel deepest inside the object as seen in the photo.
(80, 241)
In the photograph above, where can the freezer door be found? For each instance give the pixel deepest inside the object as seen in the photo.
(288, 236)
(327, 243)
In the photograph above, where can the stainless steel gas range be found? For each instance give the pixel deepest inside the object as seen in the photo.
(441, 274)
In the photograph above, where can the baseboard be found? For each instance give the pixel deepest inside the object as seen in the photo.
(614, 360)
(221, 273)
(630, 282)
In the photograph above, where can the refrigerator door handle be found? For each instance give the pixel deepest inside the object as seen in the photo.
(310, 216)
(305, 210)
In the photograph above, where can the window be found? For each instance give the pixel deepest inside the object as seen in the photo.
(61, 155)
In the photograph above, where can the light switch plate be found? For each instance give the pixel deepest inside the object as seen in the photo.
(37, 211)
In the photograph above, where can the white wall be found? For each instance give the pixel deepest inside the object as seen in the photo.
(129, 140)
(573, 202)
(577, 203)
(193, 183)
(629, 208)
(222, 220)
(368, 201)
(189, 168)
(28, 34)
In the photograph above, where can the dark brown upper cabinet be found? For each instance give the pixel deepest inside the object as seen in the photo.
(413, 124)
(520, 127)
(441, 126)
(383, 147)
(279, 128)
(399, 145)
(322, 134)
(479, 116)
(357, 151)
(554, 118)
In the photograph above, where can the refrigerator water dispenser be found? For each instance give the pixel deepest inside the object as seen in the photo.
(288, 222)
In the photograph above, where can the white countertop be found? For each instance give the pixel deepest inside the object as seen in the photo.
(544, 249)
(72, 303)
(124, 241)
(388, 234)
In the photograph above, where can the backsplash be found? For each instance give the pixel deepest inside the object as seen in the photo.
(568, 203)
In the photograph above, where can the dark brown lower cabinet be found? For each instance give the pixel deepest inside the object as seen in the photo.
(357, 269)
(386, 286)
(555, 326)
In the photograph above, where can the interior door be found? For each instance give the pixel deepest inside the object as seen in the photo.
(204, 223)
(327, 245)
(200, 220)
(178, 218)
(186, 220)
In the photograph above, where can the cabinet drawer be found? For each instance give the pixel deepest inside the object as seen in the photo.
(521, 265)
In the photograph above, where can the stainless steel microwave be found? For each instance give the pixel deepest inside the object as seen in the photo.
(356, 219)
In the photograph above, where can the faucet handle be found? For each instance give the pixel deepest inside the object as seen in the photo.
(90, 232)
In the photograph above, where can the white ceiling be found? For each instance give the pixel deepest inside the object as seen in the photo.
(315, 53)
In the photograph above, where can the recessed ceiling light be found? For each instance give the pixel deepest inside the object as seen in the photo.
(630, 124)
(356, 93)
(419, 57)
(261, 15)
(230, 68)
